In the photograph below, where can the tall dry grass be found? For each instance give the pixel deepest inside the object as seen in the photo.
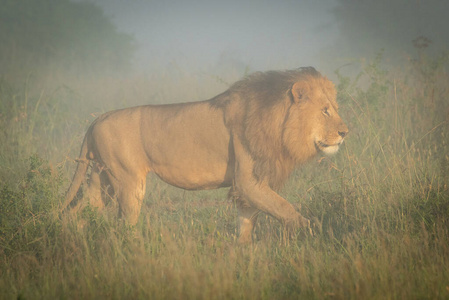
(380, 207)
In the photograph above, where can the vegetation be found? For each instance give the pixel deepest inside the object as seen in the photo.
(364, 25)
(60, 36)
(380, 207)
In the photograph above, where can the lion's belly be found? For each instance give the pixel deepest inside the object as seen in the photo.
(195, 177)
(193, 166)
(188, 146)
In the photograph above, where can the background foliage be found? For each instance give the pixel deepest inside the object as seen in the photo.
(365, 27)
(60, 36)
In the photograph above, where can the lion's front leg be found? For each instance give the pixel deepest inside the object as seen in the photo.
(259, 196)
(247, 217)
(247, 220)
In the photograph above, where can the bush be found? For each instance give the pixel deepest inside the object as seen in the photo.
(29, 212)
(60, 35)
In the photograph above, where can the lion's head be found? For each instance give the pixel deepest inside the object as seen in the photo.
(287, 118)
(314, 117)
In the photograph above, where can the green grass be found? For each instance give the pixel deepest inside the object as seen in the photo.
(380, 208)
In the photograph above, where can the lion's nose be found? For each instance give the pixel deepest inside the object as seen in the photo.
(343, 133)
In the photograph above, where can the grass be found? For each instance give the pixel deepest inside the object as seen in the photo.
(380, 208)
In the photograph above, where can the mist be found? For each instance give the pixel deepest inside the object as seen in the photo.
(219, 38)
(88, 57)
(261, 35)
(199, 35)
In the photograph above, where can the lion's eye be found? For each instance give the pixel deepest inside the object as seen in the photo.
(326, 112)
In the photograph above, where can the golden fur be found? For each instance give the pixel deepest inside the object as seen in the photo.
(248, 138)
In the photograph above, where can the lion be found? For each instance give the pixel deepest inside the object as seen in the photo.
(249, 138)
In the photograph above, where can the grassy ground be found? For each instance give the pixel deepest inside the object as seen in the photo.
(380, 207)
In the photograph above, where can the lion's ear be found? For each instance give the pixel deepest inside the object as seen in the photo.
(299, 92)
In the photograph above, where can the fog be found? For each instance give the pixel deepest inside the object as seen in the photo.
(214, 37)
(206, 45)
(205, 35)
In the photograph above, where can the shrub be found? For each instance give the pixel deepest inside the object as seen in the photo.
(29, 212)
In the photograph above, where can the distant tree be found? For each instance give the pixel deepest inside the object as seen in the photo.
(59, 34)
(367, 27)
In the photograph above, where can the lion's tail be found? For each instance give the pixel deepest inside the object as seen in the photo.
(80, 173)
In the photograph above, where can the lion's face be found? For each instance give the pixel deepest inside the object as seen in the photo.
(314, 124)
(330, 130)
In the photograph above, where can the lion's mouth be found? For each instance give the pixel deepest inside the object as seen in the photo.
(322, 145)
(327, 148)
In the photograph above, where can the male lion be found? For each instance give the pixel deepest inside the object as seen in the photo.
(248, 138)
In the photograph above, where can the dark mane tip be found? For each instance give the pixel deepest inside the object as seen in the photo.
(309, 71)
(285, 76)
(269, 87)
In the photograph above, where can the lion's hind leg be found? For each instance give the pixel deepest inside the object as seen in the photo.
(130, 192)
(94, 193)
(95, 187)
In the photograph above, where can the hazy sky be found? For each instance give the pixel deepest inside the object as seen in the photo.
(199, 35)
